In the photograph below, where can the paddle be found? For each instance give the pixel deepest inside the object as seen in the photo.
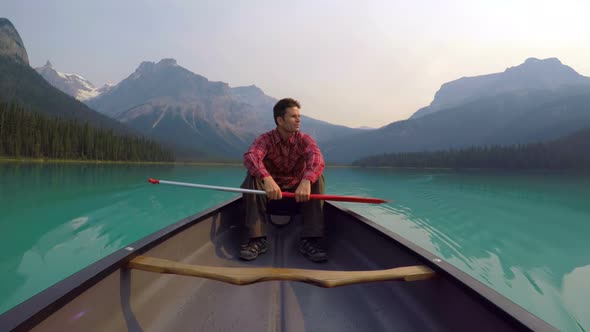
(354, 199)
(247, 276)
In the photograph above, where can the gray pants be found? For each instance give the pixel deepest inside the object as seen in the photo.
(256, 217)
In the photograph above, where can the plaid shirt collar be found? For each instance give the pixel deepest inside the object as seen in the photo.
(277, 139)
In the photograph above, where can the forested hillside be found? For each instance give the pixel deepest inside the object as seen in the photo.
(35, 135)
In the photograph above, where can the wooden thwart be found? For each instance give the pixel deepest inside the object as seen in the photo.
(246, 276)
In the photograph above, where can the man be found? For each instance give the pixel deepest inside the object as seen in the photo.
(284, 159)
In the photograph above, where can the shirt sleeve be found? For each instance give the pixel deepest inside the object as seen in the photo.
(314, 161)
(254, 156)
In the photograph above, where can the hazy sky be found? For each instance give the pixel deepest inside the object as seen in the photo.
(355, 63)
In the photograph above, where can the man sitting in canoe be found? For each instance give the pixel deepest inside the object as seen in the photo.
(284, 159)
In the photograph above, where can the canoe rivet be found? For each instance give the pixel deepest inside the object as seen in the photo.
(129, 248)
(437, 260)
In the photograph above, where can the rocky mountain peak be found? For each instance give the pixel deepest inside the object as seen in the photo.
(11, 44)
(145, 66)
(162, 80)
(553, 61)
(550, 69)
(47, 68)
(150, 67)
(532, 74)
(252, 95)
(167, 62)
(251, 90)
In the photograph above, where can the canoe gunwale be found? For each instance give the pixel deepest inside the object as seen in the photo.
(494, 300)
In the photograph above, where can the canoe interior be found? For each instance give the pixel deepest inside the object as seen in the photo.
(133, 300)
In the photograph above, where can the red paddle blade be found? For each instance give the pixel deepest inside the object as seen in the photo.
(354, 199)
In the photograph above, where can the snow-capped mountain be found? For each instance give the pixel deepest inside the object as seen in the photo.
(72, 84)
(105, 88)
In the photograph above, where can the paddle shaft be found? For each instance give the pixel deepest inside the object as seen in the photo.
(246, 276)
(262, 192)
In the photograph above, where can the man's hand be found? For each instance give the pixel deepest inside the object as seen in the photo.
(273, 191)
(303, 191)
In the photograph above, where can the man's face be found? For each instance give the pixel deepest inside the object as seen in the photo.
(290, 122)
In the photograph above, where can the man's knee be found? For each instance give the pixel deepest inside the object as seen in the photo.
(252, 182)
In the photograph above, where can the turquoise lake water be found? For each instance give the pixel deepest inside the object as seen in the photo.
(525, 234)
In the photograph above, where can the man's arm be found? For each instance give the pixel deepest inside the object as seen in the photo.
(253, 160)
(314, 161)
(314, 166)
(254, 156)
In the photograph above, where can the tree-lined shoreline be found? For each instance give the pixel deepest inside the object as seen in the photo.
(570, 152)
(38, 136)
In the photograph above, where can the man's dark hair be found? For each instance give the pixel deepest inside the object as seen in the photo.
(281, 107)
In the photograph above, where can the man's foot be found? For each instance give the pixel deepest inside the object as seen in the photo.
(256, 246)
(311, 248)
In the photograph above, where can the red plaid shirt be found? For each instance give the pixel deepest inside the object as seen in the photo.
(288, 162)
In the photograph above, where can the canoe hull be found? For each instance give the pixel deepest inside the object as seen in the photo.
(109, 297)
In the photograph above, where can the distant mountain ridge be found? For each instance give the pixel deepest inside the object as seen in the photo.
(154, 80)
(72, 84)
(540, 112)
(173, 103)
(547, 74)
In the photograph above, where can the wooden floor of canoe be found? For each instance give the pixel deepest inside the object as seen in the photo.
(134, 300)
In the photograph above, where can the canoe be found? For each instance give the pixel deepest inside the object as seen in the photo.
(187, 277)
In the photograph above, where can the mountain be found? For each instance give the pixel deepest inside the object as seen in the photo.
(72, 84)
(520, 116)
(252, 95)
(151, 81)
(11, 46)
(547, 74)
(22, 84)
(170, 102)
(263, 105)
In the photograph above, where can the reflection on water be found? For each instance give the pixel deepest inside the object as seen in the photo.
(62, 251)
(523, 234)
(59, 218)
